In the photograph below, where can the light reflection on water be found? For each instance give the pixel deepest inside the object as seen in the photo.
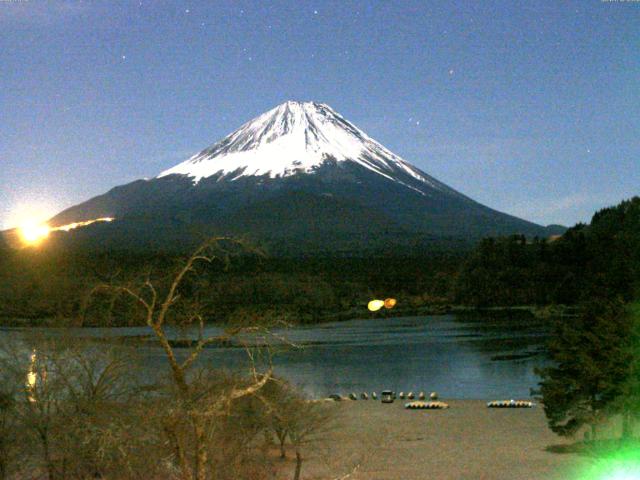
(449, 354)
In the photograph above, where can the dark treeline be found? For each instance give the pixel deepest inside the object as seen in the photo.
(593, 378)
(48, 284)
(602, 259)
(40, 285)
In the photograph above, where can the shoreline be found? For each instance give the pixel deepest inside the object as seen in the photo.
(537, 312)
(466, 441)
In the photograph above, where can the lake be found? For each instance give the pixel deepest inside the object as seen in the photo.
(459, 356)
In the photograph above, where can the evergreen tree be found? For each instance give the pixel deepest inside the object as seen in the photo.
(591, 363)
(628, 404)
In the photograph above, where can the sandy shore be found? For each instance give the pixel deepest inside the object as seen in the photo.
(467, 441)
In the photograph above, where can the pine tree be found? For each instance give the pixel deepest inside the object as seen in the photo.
(628, 404)
(591, 359)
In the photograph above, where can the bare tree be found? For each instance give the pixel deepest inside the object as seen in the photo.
(42, 400)
(291, 416)
(67, 398)
(308, 422)
(8, 422)
(277, 397)
(194, 405)
(103, 437)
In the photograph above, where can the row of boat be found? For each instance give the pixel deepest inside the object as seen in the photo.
(389, 396)
(426, 405)
(510, 404)
(386, 396)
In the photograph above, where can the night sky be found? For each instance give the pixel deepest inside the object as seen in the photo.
(529, 107)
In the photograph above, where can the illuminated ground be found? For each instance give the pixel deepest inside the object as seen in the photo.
(468, 441)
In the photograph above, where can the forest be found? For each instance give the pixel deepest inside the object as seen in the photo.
(601, 258)
(49, 286)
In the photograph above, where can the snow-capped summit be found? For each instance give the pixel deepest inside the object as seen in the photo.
(296, 137)
(300, 178)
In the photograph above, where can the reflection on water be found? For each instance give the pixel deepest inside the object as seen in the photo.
(457, 356)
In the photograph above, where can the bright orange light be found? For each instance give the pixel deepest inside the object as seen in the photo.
(71, 226)
(390, 303)
(33, 232)
(375, 305)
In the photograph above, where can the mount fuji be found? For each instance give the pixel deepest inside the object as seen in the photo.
(296, 138)
(299, 177)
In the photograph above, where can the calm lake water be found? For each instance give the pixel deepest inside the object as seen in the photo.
(464, 357)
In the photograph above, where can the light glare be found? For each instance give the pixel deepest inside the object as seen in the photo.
(624, 474)
(33, 233)
(622, 464)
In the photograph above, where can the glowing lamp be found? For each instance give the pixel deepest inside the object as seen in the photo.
(375, 305)
(390, 303)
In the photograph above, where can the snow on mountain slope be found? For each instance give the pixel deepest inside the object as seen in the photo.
(299, 174)
(298, 137)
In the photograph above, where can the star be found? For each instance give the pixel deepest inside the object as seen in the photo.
(124, 57)
(451, 72)
(186, 11)
(418, 123)
(315, 12)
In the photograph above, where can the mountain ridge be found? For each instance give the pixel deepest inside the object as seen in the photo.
(300, 148)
